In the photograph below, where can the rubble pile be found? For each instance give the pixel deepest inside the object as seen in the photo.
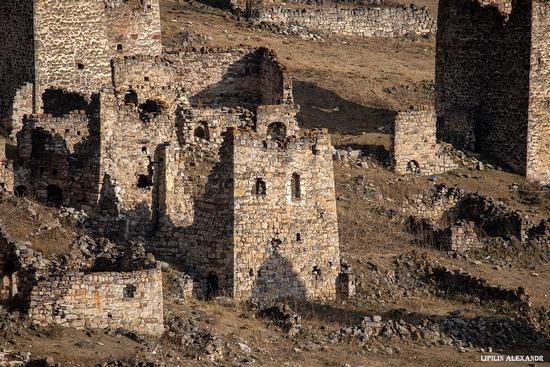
(453, 329)
(193, 341)
(282, 316)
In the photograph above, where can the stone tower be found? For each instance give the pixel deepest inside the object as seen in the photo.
(67, 45)
(492, 73)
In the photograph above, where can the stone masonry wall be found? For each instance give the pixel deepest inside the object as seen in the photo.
(482, 77)
(16, 51)
(194, 78)
(132, 301)
(133, 30)
(59, 158)
(538, 143)
(414, 145)
(72, 50)
(286, 237)
(69, 44)
(364, 22)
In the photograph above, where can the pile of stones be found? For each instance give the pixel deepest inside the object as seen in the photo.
(293, 29)
(193, 341)
(282, 316)
(453, 330)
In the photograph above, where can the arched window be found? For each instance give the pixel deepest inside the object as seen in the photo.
(55, 195)
(413, 167)
(277, 131)
(202, 132)
(295, 187)
(260, 187)
(131, 98)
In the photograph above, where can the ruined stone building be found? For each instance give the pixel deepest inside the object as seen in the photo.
(492, 76)
(198, 152)
(414, 147)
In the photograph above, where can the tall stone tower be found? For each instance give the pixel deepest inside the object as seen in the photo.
(67, 45)
(492, 72)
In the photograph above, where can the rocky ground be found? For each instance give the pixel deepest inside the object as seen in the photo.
(415, 305)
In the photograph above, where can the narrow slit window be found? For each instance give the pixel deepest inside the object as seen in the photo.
(296, 187)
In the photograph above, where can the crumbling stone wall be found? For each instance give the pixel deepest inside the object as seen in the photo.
(161, 161)
(215, 77)
(538, 141)
(20, 266)
(16, 52)
(286, 235)
(490, 73)
(414, 146)
(395, 21)
(132, 301)
(59, 158)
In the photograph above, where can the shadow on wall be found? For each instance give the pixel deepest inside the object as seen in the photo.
(240, 85)
(60, 174)
(321, 108)
(482, 78)
(59, 102)
(276, 279)
(206, 254)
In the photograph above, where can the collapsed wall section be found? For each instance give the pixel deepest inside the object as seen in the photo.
(482, 77)
(414, 146)
(199, 78)
(285, 222)
(132, 301)
(538, 143)
(59, 158)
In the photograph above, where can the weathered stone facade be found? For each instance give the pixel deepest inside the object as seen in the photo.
(161, 146)
(538, 131)
(286, 236)
(132, 301)
(67, 45)
(491, 81)
(414, 146)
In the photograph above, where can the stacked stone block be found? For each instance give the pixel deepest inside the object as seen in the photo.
(414, 145)
(67, 45)
(462, 237)
(132, 301)
(6, 168)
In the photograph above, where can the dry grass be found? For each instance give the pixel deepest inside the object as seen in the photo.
(25, 220)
